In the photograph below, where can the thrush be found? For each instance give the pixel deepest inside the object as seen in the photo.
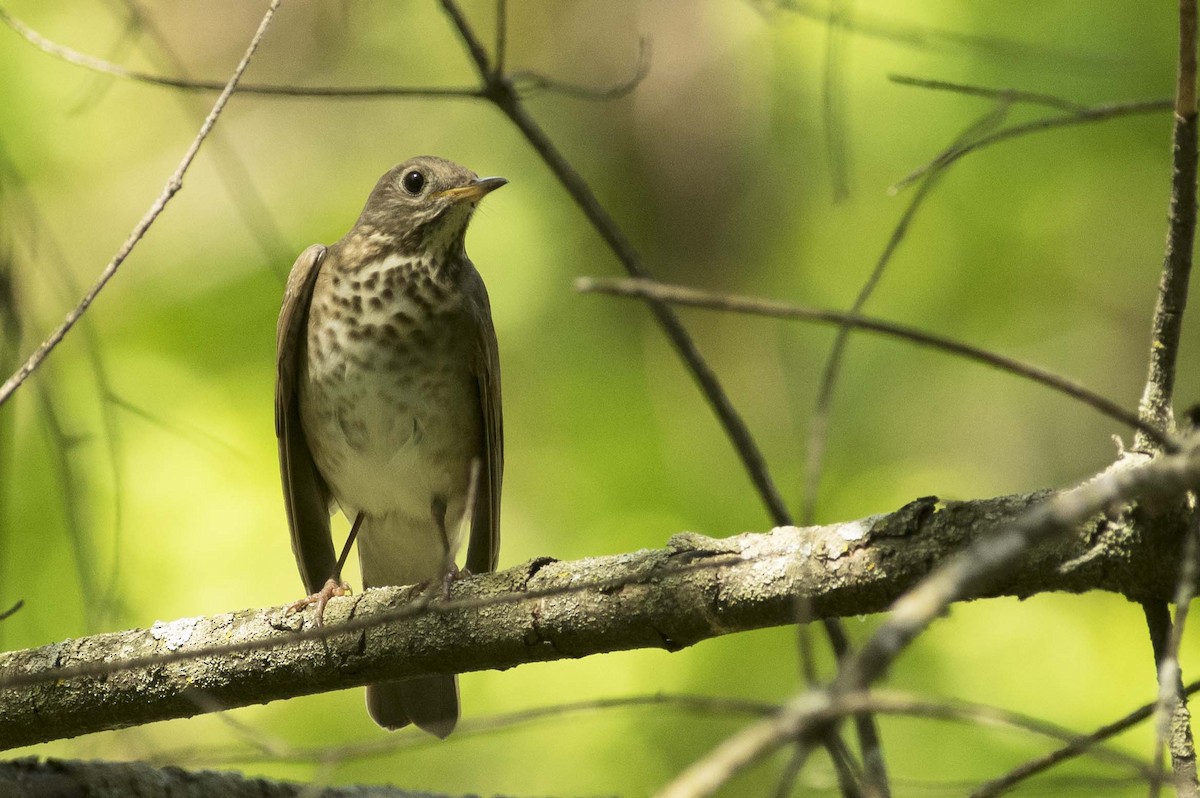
(387, 405)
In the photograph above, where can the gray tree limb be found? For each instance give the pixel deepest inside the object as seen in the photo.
(695, 588)
(31, 777)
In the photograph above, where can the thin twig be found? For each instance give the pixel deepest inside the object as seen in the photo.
(833, 97)
(501, 38)
(692, 297)
(926, 37)
(174, 184)
(1172, 716)
(526, 82)
(1001, 95)
(330, 92)
(889, 702)
(1098, 113)
(1080, 746)
(13, 610)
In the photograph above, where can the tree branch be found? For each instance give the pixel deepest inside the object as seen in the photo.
(694, 589)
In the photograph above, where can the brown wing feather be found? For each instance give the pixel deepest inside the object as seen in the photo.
(304, 491)
(483, 550)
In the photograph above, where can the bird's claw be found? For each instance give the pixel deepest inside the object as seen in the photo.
(332, 587)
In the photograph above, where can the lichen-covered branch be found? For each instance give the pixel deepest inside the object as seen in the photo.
(695, 588)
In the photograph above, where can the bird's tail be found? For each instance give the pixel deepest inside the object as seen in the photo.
(431, 702)
(398, 551)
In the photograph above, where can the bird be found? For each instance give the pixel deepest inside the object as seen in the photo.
(387, 406)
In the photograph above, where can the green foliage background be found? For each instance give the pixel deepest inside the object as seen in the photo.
(158, 495)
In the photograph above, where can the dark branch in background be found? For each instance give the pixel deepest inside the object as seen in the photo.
(833, 97)
(694, 589)
(1097, 113)
(174, 184)
(332, 92)
(1158, 395)
(692, 297)
(1001, 95)
(500, 91)
(101, 599)
(525, 83)
(992, 558)
(925, 37)
(10, 345)
(13, 610)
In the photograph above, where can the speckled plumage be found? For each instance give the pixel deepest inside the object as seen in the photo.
(388, 391)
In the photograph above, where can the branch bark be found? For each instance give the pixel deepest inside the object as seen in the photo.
(695, 588)
(30, 777)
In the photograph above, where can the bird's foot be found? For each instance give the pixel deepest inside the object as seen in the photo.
(452, 575)
(333, 587)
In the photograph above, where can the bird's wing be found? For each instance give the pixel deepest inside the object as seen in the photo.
(304, 491)
(483, 550)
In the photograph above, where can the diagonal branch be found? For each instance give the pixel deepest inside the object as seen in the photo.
(174, 184)
(691, 297)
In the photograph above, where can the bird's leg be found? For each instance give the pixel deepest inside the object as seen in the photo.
(334, 585)
(438, 509)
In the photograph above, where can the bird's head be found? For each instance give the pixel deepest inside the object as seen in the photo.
(425, 203)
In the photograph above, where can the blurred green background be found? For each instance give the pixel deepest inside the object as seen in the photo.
(138, 475)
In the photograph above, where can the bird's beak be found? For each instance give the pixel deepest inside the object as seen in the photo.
(473, 191)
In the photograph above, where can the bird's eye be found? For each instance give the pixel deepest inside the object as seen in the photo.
(413, 182)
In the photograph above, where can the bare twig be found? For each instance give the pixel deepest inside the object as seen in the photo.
(833, 97)
(1000, 95)
(330, 92)
(764, 307)
(926, 37)
(13, 610)
(527, 82)
(1096, 113)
